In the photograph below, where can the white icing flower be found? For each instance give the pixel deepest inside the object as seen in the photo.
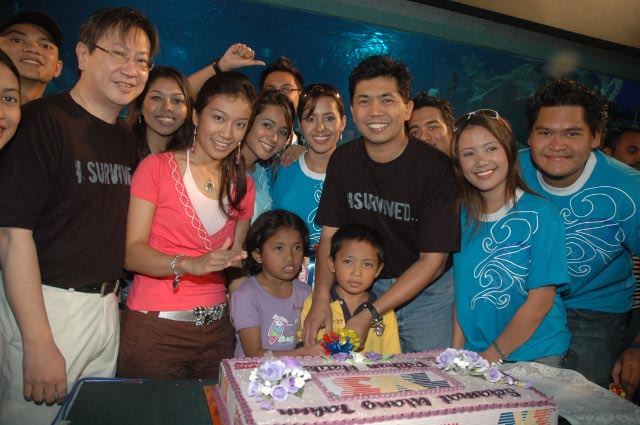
(299, 382)
(460, 362)
(358, 357)
(266, 390)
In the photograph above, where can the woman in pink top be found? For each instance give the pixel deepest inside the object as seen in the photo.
(189, 213)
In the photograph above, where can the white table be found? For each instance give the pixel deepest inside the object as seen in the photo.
(579, 400)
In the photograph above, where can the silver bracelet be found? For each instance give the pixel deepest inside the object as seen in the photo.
(503, 357)
(176, 279)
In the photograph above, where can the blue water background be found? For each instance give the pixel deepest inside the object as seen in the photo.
(325, 49)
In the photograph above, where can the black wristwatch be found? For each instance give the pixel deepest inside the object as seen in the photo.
(377, 322)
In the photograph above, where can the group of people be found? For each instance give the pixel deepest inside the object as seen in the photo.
(427, 232)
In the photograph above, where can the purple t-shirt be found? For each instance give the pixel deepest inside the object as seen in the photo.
(278, 319)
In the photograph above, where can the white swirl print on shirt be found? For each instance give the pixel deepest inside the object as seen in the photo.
(592, 227)
(315, 233)
(507, 263)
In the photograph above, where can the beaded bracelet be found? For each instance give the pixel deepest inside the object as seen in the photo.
(176, 279)
(504, 357)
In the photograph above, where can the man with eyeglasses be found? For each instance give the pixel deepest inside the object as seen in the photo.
(32, 39)
(599, 200)
(65, 183)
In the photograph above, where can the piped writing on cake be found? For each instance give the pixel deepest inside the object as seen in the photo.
(331, 368)
(501, 392)
(317, 411)
(403, 365)
(412, 402)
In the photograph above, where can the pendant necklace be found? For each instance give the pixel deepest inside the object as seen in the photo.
(209, 186)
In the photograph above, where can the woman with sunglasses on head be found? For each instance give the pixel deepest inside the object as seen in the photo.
(188, 216)
(158, 116)
(298, 187)
(269, 130)
(512, 255)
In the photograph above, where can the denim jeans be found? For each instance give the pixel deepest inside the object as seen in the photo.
(596, 343)
(424, 322)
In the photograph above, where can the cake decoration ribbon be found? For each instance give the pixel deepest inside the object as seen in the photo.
(344, 341)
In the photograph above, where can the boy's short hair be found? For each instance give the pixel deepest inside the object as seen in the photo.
(360, 233)
(282, 64)
(564, 92)
(382, 66)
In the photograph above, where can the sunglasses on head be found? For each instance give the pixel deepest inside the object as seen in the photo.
(493, 114)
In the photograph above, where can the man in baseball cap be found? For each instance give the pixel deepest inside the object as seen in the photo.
(32, 39)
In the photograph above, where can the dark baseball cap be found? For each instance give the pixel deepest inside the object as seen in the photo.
(38, 19)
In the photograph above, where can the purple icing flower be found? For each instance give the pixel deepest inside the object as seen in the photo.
(290, 384)
(291, 363)
(267, 405)
(480, 364)
(527, 384)
(341, 357)
(279, 393)
(272, 371)
(254, 388)
(493, 374)
(373, 356)
(446, 358)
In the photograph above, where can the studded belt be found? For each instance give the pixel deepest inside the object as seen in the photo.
(199, 315)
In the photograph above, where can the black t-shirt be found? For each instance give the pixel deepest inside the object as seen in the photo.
(411, 200)
(66, 176)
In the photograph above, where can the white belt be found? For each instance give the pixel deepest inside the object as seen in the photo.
(199, 315)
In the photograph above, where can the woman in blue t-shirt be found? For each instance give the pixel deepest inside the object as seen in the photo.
(299, 186)
(512, 251)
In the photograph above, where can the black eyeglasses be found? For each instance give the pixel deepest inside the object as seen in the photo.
(286, 90)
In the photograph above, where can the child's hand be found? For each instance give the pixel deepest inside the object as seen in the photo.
(313, 350)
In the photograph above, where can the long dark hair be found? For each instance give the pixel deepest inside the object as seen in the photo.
(136, 120)
(310, 95)
(233, 180)
(266, 98)
(266, 225)
(6, 60)
(469, 196)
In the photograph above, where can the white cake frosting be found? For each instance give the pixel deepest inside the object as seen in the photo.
(406, 389)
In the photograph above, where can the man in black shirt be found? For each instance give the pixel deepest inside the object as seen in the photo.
(406, 190)
(65, 182)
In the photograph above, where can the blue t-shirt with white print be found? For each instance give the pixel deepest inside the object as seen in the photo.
(508, 253)
(262, 177)
(298, 189)
(602, 223)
